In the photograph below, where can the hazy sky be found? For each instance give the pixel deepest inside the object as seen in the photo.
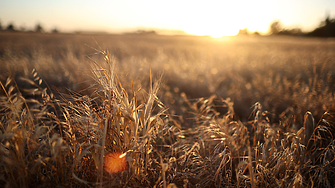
(210, 17)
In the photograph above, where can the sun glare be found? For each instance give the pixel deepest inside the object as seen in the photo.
(214, 30)
(220, 18)
(224, 32)
(213, 18)
(115, 162)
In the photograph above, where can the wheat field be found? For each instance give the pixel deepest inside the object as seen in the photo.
(166, 111)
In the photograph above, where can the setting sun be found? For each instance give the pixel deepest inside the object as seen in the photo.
(213, 29)
(217, 19)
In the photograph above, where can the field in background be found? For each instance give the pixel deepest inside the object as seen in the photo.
(228, 112)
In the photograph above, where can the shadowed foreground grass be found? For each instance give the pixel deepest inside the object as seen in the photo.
(174, 130)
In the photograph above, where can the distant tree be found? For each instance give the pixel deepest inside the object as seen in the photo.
(0, 26)
(256, 33)
(275, 27)
(329, 28)
(325, 29)
(55, 30)
(39, 28)
(294, 31)
(145, 32)
(243, 31)
(10, 27)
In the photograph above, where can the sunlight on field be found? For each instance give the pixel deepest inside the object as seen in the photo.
(187, 111)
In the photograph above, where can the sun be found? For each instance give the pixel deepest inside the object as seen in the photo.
(213, 30)
(218, 19)
(217, 33)
(225, 32)
(221, 18)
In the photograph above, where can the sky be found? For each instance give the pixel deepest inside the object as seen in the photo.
(210, 17)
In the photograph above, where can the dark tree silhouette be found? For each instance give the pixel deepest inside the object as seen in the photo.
(326, 28)
(256, 33)
(10, 27)
(275, 27)
(145, 32)
(294, 31)
(39, 28)
(55, 30)
(329, 28)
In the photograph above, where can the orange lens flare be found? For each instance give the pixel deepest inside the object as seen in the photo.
(114, 163)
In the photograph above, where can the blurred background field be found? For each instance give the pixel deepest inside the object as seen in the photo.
(277, 71)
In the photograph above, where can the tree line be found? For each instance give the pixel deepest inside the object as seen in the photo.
(326, 29)
(37, 29)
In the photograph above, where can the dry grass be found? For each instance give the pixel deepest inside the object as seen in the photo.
(65, 107)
